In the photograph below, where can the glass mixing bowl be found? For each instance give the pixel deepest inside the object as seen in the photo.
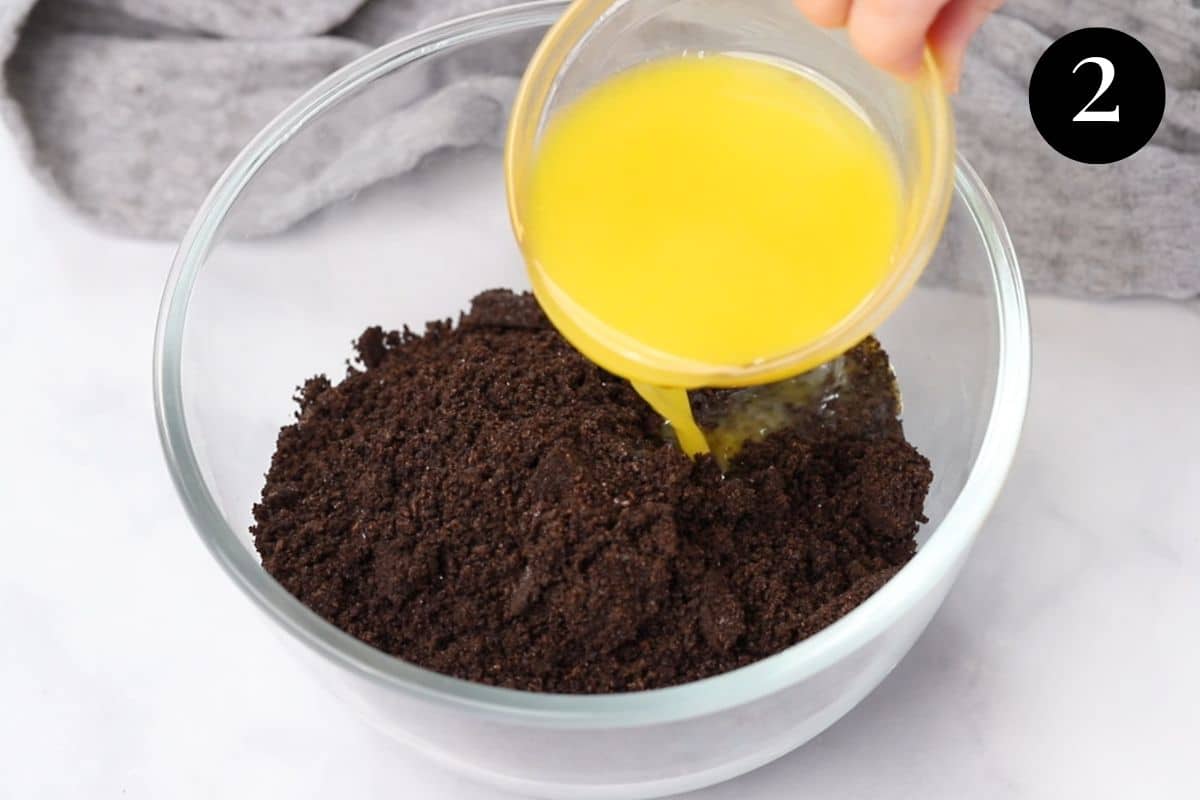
(595, 39)
(242, 323)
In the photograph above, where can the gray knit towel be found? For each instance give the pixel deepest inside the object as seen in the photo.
(132, 108)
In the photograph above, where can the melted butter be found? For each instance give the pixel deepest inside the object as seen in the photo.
(753, 413)
(717, 211)
(676, 408)
(758, 411)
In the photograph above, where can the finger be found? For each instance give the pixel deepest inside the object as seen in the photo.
(891, 33)
(826, 13)
(952, 31)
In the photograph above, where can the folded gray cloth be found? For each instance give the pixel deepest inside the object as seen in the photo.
(131, 108)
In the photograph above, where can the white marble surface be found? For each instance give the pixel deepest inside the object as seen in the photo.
(1064, 663)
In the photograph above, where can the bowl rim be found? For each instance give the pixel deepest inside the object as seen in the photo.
(947, 543)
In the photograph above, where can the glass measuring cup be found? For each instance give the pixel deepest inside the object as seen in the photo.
(596, 38)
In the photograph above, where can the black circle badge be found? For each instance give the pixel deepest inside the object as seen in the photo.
(1097, 95)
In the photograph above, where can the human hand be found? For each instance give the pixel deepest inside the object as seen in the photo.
(892, 33)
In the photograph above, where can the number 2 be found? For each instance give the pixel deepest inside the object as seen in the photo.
(1107, 73)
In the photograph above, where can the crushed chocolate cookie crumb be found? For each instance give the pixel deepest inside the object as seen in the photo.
(481, 500)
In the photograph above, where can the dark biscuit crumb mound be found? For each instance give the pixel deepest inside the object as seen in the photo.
(482, 501)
